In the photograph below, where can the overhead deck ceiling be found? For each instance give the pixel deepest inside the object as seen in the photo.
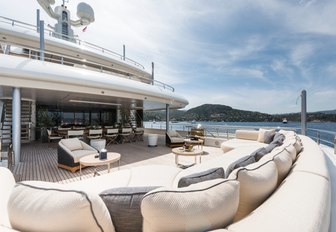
(77, 101)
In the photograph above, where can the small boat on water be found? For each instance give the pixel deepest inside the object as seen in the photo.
(284, 121)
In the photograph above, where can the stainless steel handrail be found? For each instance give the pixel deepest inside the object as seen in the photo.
(81, 62)
(227, 131)
(35, 54)
(83, 43)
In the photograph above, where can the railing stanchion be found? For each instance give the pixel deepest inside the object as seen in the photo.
(335, 145)
(318, 137)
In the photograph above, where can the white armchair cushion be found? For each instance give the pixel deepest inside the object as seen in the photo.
(72, 144)
(77, 154)
(43, 206)
(199, 207)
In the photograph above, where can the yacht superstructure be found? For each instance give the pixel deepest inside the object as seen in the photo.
(54, 72)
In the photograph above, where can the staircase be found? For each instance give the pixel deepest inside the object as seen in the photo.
(7, 121)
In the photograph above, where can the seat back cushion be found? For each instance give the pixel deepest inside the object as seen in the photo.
(257, 182)
(247, 134)
(283, 162)
(44, 206)
(265, 136)
(194, 178)
(124, 207)
(172, 133)
(7, 183)
(199, 207)
(72, 144)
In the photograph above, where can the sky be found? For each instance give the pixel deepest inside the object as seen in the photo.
(253, 55)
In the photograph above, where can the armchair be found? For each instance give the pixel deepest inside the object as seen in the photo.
(174, 139)
(69, 151)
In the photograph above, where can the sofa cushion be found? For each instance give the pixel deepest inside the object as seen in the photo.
(7, 183)
(265, 136)
(199, 207)
(176, 140)
(77, 154)
(124, 207)
(257, 182)
(210, 174)
(247, 134)
(72, 144)
(291, 150)
(153, 175)
(283, 162)
(40, 206)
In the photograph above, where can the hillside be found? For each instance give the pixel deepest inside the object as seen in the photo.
(216, 112)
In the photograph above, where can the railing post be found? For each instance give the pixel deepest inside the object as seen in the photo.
(38, 20)
(124, 52)
(335, 145)
(42, 40)
(152, 73)
(303, 112)
(318, 137)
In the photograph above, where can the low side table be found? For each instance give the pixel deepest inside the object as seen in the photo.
(90, 160)
(180, 151)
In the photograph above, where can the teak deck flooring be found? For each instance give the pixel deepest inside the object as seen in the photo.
(39, 160)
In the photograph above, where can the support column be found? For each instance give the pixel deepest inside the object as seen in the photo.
(16, 117)
(167, 117)
(33, 121)
(303, 112)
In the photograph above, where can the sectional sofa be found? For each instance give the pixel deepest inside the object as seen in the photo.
(285, 189)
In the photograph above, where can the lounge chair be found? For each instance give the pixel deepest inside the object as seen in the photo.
(75, 134)
(174, 139)
(138, 133)
(52, 136)
(111, 136)
(69, 151)
(126, 134)
(95, 134)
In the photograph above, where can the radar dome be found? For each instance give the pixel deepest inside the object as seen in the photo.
(85, 12)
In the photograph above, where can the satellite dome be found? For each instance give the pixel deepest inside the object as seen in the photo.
(85, 12)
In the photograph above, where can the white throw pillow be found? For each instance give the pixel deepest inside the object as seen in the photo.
(72, 144)
(257, 182)
(264, 134)
(44, 206)
(199, 207)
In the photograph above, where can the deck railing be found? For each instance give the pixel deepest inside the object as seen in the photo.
(80, 63)
(82, 43)
(224, 131)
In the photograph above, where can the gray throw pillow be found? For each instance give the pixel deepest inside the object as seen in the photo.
(210, 174)
(278, 139)
(124, 207)
(242, 162)
(268, 136)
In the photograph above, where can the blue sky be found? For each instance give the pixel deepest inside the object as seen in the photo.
(249, 54)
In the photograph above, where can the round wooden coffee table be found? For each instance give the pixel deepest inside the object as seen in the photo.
(180, 151)
(93, 160)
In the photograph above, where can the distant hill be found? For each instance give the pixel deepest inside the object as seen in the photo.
(327, 112)
(216, 112)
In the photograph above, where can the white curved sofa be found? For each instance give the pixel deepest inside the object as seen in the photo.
(300, 202)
